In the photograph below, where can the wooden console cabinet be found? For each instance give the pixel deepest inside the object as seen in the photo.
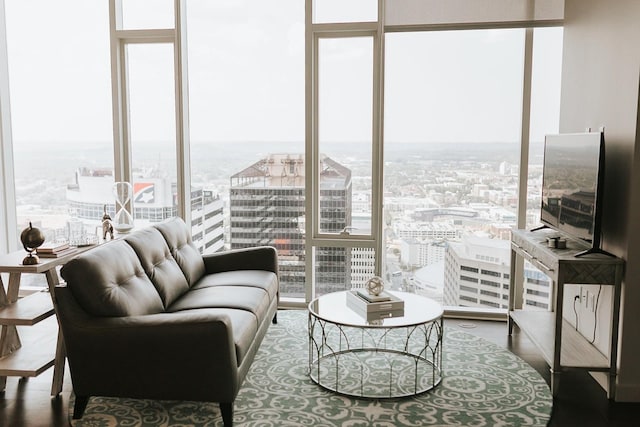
(561, 345)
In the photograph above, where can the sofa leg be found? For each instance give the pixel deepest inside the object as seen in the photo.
(275, 319)
(227, 413)
(79, 406)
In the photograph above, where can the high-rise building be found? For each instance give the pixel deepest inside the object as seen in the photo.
(154, 200)
(267, 207)
(477, 275)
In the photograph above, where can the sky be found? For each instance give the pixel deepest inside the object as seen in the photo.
(246, 77)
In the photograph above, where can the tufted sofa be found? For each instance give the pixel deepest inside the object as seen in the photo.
(147, 316)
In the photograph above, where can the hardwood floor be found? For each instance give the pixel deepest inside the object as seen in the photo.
(581, 401)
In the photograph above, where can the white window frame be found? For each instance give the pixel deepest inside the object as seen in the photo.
(8, 216)
(176, 36)
(315, 238)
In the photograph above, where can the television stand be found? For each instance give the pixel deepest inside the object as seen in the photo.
(560, 344)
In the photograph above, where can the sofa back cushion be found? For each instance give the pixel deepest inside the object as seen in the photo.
(178, 238)
(109, 281)
(158, 264)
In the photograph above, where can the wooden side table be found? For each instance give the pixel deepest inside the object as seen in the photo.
(33, 317)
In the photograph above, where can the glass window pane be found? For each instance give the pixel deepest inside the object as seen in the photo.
(340, 269)
(452, 131)
(545, 117)
(246, 107)
(151, 98)
(326, 11)
(345, 104)
(145, 14)
(545, 110)
(61, 115)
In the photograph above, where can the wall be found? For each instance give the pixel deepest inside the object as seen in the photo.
(600, 87)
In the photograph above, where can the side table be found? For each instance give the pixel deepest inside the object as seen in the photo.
(36, 312)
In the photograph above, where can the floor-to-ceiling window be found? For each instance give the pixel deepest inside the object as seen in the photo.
(452, 144)
(453, 105)
(60, 99)
(246, 105)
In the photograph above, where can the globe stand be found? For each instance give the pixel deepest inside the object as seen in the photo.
(31, 259)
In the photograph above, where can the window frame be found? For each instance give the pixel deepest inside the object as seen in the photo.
(314, 32)
(176, 37)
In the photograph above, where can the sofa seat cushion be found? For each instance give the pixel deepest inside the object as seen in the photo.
(159, 264)
(253, 300)
(266, 280)
(109, 281)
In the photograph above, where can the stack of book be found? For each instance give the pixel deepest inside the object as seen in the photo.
(54, 250)
(375, 306)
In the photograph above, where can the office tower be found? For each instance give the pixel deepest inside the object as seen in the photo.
(267, 207)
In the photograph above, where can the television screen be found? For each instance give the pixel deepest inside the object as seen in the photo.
(572, 176)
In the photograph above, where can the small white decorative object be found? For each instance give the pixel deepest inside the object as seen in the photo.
(375, 285)
(123, 221)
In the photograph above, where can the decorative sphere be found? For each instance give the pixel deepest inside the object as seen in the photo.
(31, 238)
(375, 285)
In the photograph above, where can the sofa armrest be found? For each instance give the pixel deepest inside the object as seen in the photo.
(256, 258)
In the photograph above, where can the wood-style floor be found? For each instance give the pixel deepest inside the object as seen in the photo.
(581, 401)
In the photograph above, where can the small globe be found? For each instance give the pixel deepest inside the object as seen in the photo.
(31, 238)
(375, 285)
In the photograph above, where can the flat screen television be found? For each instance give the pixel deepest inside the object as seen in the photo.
(572, 182)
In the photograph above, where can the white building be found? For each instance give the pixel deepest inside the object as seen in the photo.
(154, 200)
(477, 275)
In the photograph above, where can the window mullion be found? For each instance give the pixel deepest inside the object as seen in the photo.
(8, 219)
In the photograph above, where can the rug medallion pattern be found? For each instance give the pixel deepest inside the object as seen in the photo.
(482, 385)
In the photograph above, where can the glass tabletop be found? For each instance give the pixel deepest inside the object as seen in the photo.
(334, 308)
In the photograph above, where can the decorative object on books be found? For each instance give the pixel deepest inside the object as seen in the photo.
(363, 293)
(484, 385)
(375, 285)
(107, 225)
(123, 221)
(31, 239)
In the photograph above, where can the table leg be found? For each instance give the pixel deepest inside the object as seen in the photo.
(9, 339)
(58, 366)
(555, 382)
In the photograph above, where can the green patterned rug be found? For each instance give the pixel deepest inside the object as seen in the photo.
(482, 385)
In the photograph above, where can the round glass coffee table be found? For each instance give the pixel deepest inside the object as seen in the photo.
(387, 353)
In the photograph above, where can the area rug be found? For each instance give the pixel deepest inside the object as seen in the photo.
(482, 385)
